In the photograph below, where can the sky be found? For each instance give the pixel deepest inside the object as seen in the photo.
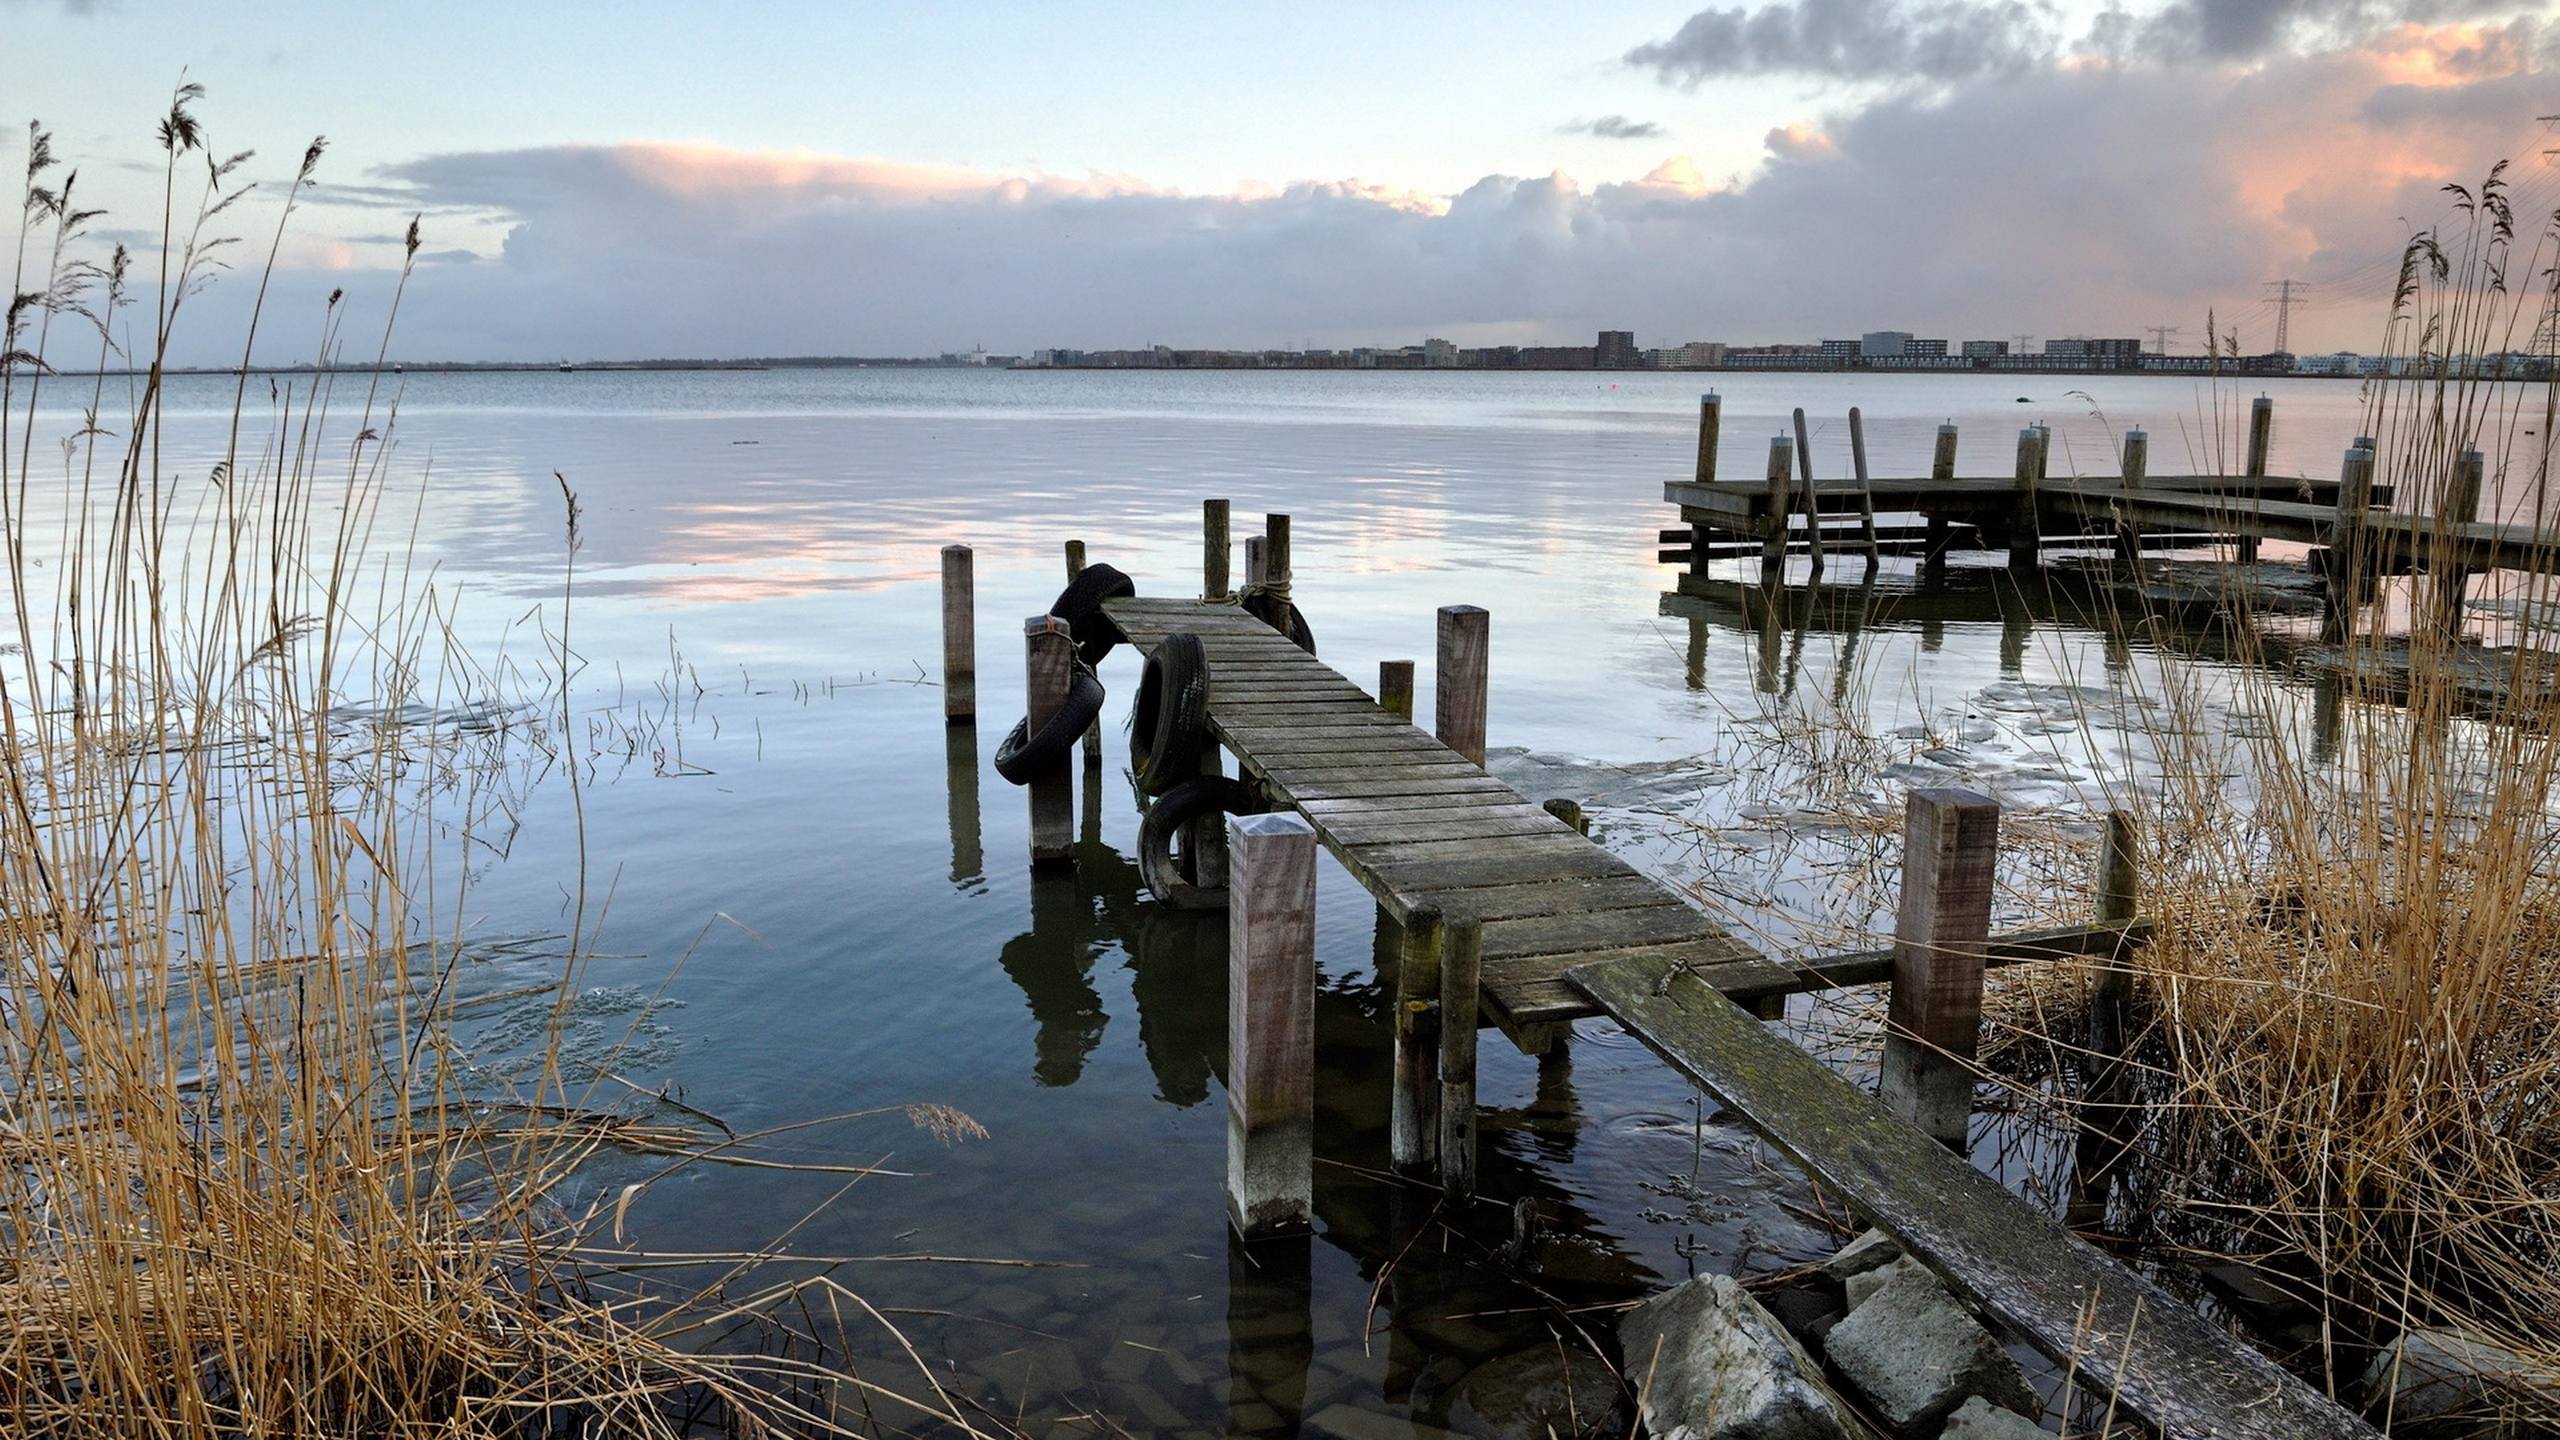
(657, 180)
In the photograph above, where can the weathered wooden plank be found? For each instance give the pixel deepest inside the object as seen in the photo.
(1509, 847)
(1396, 882)
(1378, 765)
(1441, 825)
(1340, 742)
(2017, 947)
(1573, 933)
(2165, 1363)
(1322, 810)
(1354, 789)
(1547, 897)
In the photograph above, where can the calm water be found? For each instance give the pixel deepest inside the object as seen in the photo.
(821, 902)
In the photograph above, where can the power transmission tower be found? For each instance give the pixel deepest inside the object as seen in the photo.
(2018, 343)
(2286, 299)
(2160, 336)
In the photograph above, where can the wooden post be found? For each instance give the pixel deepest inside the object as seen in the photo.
(1951, 840)
(1254, 565)
(1710, 431)
(2262, 425)
(1395, 688)
(1812, 501)
(1942, 466)
(1773, 524)
(2137, 468)
(1276, 571)
(2024, 528)
(2348, 564)
(1461, 972)
(959, 634)
(1092, 732)
(1866, 491)
(1413, 1131)
(1570, 812)
(1214, 549)
(2109, 1086)
(2461, 507)
(1049, 651)
(1271, 1024)
(1458, 696)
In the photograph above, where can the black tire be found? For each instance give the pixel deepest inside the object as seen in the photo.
(1196, 797)
(1080, 605)
(1262, 607)
(1169, 724)
(1023, 758)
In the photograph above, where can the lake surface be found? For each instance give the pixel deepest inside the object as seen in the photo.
(820, 901)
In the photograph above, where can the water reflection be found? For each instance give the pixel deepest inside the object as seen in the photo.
(960, 768)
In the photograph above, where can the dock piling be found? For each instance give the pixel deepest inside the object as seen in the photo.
(1710, 435)
(1214, 549)
(1951, 841)
(959, 634)
(2108, 1089)
(1866, 491)
(1942, 466)
(1276, 571)
(2024, 549)
(1773, 524)
(1271, 1034)
(1255, 563)
(1049, 653)
(2262, 426)
(1570, 812)
(2137, 468)
(1459, 684)
(2461, 507)
(2349, 565)
(1092, 732)
(1413, 1132)
(1812, 500)
(1395, 688)
(1461, 973)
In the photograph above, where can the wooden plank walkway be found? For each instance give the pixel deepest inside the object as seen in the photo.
(1416, 823)
(2165, 1363)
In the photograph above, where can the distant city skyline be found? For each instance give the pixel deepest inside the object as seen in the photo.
(810, 179)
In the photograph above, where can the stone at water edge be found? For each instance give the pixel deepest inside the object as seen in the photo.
(2446, 1375)
(1871, 1251)
(1979, 1419)
(1862, 1288)
(1711, 1364)
(1536, 1393)
(1915, 1354)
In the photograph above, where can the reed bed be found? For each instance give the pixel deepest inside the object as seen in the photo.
(252, 1182)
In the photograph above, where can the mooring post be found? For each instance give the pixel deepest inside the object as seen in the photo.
(1276, 571)
(1255, 565)
(959, 634)
(1459, 681)
(1866, 490)
(1710, 434)
(1092, 732)
(1461, 972)
(1049, 648)
(1395, 688)
(1570, 812)
(1812, 500)
(2348, 565)
(2025, 530)
(2137, 468)
(2109, 1086)
(2262, 429)
(1214, 549)
(1773, 524)
(1950, 843)
(1942, 467)
(1413, 1132)
(1271, 1024)
(2461, 507)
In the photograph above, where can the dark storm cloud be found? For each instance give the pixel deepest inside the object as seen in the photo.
(1613, 127)
(2222, 30)
(1936, 40)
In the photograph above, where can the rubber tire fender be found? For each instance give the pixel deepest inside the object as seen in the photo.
(1169, 723)
(1024, 757)
(1262, 607)
(1080, 605)
(1198, 796)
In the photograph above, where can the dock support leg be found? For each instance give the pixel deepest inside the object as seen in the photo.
(1812, 502)
(1395, 688)
(1050, 657)
(2137, 468)
(1942, 467)
(1214, 549)
(2262, 426)
(1773, 519)
(2109, 1088)
(1271, 1031)
(1951, 839)
(1092, 732)
(2024, 525)
(959, 634)
(1459, 686)
(1461, 973)
(1413, 1133)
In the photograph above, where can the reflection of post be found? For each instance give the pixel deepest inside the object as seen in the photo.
(959, 634)
(1694, 671)
(2017, 626)
(1050, 652)
(1764, 675)
(1950, 841)
(1214, 549)
(1413, 1134)
(1458, 696)
(1270, 1335)
(1271, 1035)
(960, 767)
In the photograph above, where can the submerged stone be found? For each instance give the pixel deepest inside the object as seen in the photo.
(1712, 1365)
(1979, 1419)
(1871, 1251)
(2448, 1382)
(1915, 1354)
(1536, 1393)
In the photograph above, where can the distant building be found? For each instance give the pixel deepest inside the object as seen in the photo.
(1617, 350)
(1439, 354)
(1840, 352)
(1696, 355)
(1985, 349)
(1925, 349)
(1881, 344)
(1562, 357)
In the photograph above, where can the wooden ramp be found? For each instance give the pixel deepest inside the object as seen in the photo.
(2166, 1364)
(1415, 822)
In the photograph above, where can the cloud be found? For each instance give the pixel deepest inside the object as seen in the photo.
(1613, 127)
(1934, 40)
(2242, 30)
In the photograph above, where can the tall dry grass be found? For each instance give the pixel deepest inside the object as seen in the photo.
(244, 1187)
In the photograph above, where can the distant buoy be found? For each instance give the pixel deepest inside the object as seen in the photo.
(2023, 400)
